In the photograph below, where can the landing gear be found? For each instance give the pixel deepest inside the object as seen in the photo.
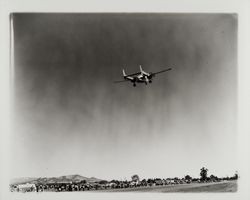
(134, 84)
(150, 81)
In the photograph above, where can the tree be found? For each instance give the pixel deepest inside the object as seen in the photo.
(188, 178)
(236, 176)
(213, 177)
(135, 178)
(150, 180)
(144, 182)
(103, 182)
(203, 173)
(83, 181)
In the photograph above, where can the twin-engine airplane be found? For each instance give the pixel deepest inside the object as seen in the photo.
(140, 77)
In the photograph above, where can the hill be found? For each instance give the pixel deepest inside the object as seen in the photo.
(60, 179)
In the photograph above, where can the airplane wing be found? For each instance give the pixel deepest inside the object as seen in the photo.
(134, 74)
(162, 71)
(121, 81)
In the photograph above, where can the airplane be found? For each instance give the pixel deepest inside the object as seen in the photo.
(140, 77)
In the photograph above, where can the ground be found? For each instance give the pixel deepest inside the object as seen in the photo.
(226, 186)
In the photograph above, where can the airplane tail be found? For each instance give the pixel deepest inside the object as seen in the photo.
(141, 70)
(123, 72)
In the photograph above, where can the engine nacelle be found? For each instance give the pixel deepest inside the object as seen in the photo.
(151, 75)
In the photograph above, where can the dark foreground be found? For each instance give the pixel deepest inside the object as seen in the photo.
(225, 186)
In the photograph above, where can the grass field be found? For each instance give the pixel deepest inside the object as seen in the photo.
(226, 186)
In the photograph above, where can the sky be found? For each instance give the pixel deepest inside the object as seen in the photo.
(70, 118)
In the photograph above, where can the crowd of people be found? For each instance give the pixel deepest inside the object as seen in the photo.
(105, 185)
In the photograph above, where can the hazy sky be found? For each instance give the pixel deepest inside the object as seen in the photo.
(70, 118)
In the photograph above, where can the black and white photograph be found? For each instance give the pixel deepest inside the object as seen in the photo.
(124, 103)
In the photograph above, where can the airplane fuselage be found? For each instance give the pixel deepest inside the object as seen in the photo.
(141, 78)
